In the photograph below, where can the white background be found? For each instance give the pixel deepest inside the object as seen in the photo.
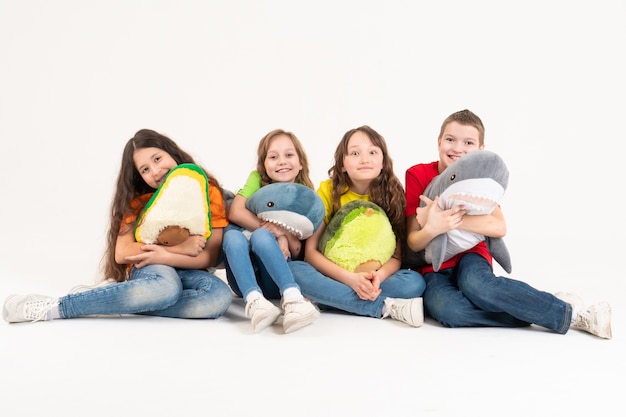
(79, 78)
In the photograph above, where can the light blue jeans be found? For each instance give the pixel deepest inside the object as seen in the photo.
(258, 264)
(471, 295)
(327, 292)
(157, 290)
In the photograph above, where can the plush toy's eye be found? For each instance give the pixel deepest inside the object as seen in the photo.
(452, 177)
(270, 204)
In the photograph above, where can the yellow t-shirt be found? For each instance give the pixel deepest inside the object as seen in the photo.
(325, 193)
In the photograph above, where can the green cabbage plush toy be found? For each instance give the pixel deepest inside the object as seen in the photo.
(359, 237)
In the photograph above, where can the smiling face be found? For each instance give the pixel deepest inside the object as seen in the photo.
(282, 163)
(457, 140)
(363, 161)
(153, 164)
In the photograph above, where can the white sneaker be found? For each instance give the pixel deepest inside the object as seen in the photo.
(85, 287)
(262, 313)
(299, 314)
(575, 301)
(595, 320)
(32, 307)
(407, 310)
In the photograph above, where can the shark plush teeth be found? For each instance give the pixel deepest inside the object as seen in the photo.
(483, 200)
(293, 206)
(478, 181)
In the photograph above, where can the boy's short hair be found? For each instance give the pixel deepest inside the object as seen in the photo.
(465, 117)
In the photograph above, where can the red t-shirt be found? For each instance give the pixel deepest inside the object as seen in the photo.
(417, 179)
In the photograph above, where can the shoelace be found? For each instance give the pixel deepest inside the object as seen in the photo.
(583, 320)
(250, 306)
(397, 312)
(37, 310)
(388, 308)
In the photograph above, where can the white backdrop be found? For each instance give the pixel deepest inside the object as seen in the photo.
(79, 78)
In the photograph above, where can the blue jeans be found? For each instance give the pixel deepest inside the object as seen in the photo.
(326, 291)
(470, 295)
(157, 290)
(256, 265)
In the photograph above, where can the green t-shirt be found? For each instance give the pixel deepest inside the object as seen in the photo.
(252, 185)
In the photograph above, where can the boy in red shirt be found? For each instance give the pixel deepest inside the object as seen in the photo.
(465, 292)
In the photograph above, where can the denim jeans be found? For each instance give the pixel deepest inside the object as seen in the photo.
(470, 295)
(328, 292)
(258, 264)
(157, 290)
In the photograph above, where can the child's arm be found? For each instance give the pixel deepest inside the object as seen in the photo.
(241, 216)
(361, 283)
(214, 245)
(128, 251)
(491, 225)
(126, 245)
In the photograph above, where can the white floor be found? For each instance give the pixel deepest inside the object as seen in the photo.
(341, 365)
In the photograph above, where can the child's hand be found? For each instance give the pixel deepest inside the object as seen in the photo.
(193, 246)
(151, 255)
(421, 212)
(274, 229)
(374, 279)
(438, 220)
(365, 287)
(283, 244)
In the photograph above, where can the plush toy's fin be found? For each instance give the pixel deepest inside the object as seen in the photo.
(181, 200)
(496, 247)
(500, 253)
(436, 251)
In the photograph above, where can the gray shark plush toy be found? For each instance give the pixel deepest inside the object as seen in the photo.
(477, 181)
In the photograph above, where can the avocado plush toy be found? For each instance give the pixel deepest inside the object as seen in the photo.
(179, 208)
(293, 206)
(359, 237)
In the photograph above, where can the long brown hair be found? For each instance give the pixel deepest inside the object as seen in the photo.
(130, 185)
(386, 190)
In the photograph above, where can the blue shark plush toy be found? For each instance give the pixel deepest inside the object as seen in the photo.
(477, 181)
(293, 206)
